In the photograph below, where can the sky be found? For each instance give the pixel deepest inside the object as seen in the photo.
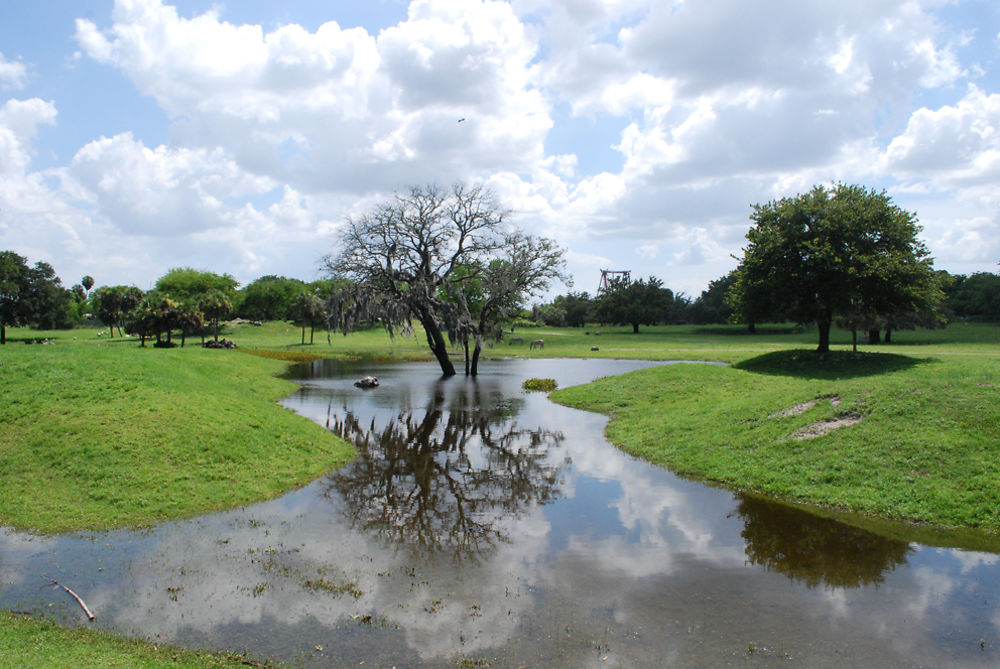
(238, 136)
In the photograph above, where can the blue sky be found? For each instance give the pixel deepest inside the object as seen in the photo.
(236, 137)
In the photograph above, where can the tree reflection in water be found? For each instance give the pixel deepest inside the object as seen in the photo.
(816, 550)
(445, 482)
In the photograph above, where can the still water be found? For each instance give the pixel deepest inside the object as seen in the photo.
(485, 526)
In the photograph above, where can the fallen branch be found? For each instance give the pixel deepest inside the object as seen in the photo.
(74, 596)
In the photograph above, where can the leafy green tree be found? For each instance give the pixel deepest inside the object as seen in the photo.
(87, 282)
(32, 296)
(15, 290)
(308, 310)
(113, 304)
(577, 308)
(185, 283)
(215, 306)
(840, 252)
(549, 314)
(189, 320)
(269, 298)
(157, 314)
(491, 296)
(713, 306)
(642, 302)
(975, 297)
(50, 305)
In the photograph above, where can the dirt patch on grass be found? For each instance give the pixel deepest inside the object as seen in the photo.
(819, 428)
(802, 407)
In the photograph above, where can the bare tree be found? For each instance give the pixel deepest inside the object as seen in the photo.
(417, 255)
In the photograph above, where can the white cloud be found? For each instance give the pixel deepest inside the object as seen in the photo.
(960, 143)
(13, 74)
(700, 110)
(161, 191)
(361, 111)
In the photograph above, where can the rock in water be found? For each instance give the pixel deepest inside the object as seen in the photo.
(367, 382)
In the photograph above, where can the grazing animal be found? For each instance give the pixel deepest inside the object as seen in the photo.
(539, 343)
(595, 348)
(515, 340)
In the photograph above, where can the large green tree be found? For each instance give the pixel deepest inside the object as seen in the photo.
(15, 289)
(642, 302)
(270, 298)
(185, 283)
(32, 296)
(113, 305)
(843, 252)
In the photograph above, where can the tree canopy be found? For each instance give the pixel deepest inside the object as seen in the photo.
(419, 255)
(31, 295)
(270, 298)
(843, 252)
(185, 283)
(113, 305)
(642, 302)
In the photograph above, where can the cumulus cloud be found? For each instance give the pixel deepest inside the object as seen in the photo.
(277, 130)
(359, 112)
(960, 143)
(161, 191)
(13, 74)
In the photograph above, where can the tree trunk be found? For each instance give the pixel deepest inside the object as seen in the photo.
(635, 328)
(823, 325)
(216, 330)
(465, 345)
(873, 337)
(888, 336)
(303, 335)
(3, 334)
(752, 327)
(183, 337)
(854, 339)
(475, 360)
(435, 340)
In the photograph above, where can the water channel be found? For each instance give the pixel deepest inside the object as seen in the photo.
(482, 525)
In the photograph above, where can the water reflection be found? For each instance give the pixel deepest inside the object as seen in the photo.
(815, 550)
(448, 480)
(481, 524)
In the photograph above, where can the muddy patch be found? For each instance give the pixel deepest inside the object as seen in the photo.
(819, 428)
(802, 407)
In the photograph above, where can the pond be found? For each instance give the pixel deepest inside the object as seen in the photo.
(482, 525)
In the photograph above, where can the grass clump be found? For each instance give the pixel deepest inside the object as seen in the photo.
(544, 385)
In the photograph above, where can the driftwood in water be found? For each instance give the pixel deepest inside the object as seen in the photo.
(74, 596)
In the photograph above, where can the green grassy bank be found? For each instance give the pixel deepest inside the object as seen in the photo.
(29, 644)
(920, 444)
(97, 433)
(97, 436)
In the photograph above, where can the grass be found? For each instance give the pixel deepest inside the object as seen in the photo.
(924, 450)
(28, 643)
(98, 433)
(100, 436)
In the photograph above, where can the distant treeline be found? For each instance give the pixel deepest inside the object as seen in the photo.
(193, 302)
(974, 297)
